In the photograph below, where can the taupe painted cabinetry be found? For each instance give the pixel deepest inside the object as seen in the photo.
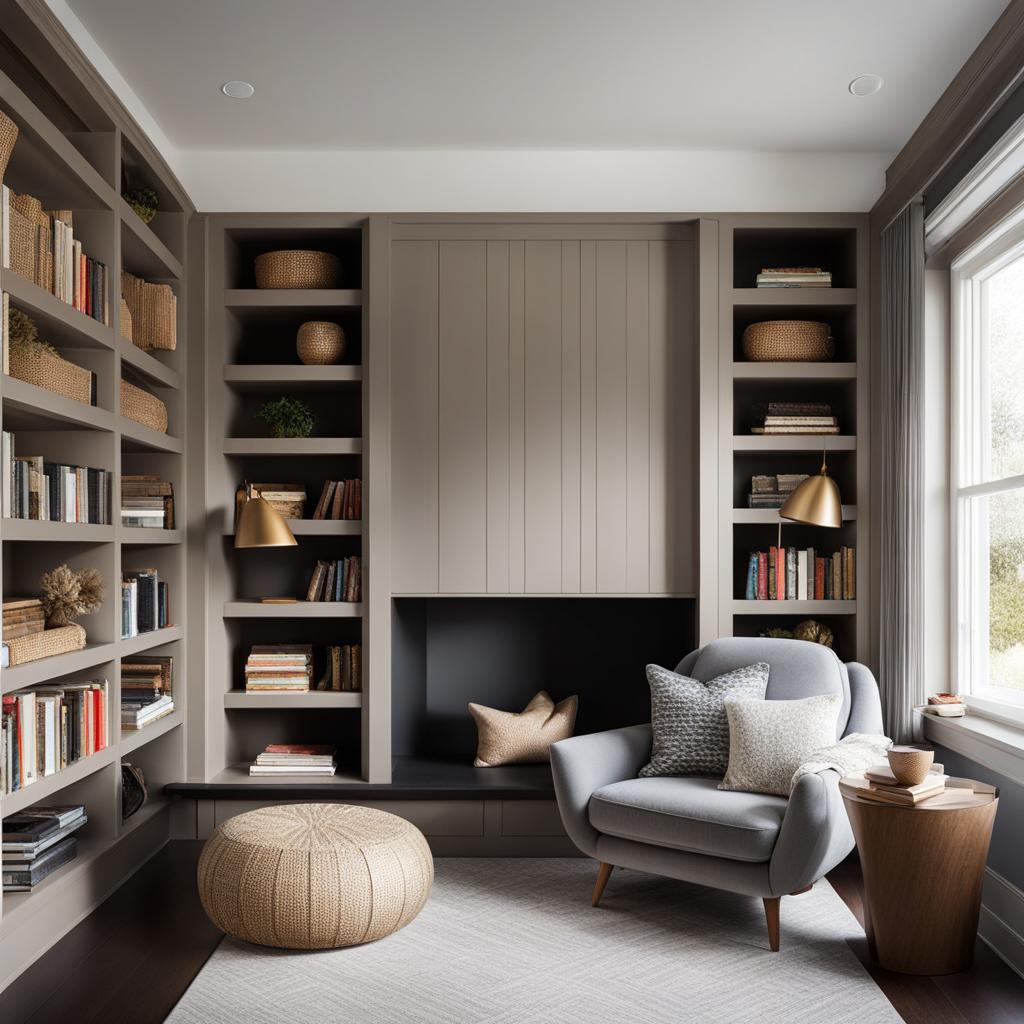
(543, 409)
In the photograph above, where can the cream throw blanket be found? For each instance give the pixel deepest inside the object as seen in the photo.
(852, 753)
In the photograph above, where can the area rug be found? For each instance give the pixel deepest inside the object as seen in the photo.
(517, 942)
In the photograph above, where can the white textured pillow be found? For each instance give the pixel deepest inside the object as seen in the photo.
(770, 739)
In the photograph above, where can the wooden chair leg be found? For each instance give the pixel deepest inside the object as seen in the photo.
(771, 912)
(603, 874)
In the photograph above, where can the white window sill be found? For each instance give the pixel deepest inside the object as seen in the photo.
(997, 746)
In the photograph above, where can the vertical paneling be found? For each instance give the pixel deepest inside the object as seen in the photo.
(638, 432)
(570, 417)
(414, 417)
(516, 421)
(497, 418)
(462, 420)
(588, 417)
(611, 416)
(542, 404)
(661, 401)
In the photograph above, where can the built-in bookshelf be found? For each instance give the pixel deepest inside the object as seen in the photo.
(251, 358)
(746, 245)
(72, 150)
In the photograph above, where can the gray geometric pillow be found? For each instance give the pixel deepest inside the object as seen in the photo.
(691, 730)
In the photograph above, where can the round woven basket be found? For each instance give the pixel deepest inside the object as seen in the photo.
(788, 341)
(48, 370)
(298, 268)
(8, 136)
(143, 407)
(320, 343)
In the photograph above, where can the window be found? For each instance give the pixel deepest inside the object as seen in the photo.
(988, 473)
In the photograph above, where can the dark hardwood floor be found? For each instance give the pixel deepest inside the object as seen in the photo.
(130, 961)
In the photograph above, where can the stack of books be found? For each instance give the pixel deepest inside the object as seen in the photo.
(798, 418)
(47, 727)
(144, 602)
(50, 491)
(289, 500)
(295, 759)
(279, 668)
(146, 690)
(773, 491)
(36, 842)
(801, 574)
(340, 499)
(879, 784)
(344, 668)
(336, 581)
(23, 617)
(794, 277)
(146, 500)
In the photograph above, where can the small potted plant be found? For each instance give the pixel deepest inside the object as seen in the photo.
(144, 201)
(287, 417)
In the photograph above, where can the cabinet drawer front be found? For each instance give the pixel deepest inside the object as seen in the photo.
(530, 818)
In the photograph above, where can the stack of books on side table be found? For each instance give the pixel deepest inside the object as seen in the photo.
(38, 841)
(279, 668)
(880, 785)
(295, 759)
(146, 690)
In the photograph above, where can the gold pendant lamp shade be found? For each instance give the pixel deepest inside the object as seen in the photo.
(260, 525)
(816, 502)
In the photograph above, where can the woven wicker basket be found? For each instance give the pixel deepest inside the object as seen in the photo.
(298, 268)
(143, 407)
(8, 136)
(45, 644)
(788, 341)
(125, 321)
(154, 313)
(48, 370)
(320, 343)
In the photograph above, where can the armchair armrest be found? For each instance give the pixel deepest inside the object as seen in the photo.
(815, 834)
(582, 764)
(865, 703)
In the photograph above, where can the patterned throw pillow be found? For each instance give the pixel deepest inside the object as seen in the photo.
(770, 739)
(691, 733)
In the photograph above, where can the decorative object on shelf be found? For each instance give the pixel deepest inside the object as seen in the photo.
(260, 525)
(794, 277)
(50, 642)
(34, 361)
(124, 323)
(522, 737)
(298, 268)
(133, 790)
(910, 765)
(816, 502)
(783, 418)
(788, 341)
(813, 632)
(327, 875)
(154, 311)
(69, 593)
(320, 343)
(143, 407)
(8, 137)
(144, 201)
(287, 417)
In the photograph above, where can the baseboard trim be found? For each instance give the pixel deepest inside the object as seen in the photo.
(1001, 925)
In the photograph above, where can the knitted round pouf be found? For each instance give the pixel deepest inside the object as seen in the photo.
(314, 876)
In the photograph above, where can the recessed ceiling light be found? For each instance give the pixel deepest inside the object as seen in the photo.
(866, 85)
(243, 90)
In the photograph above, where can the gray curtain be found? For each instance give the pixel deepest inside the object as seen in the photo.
(901, 639)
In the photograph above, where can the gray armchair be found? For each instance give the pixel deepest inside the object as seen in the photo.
(684, 826)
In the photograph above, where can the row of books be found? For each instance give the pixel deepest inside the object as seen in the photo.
(798, 418)
(47, 727)
(295, 759)
(58, 263)
(792, 574)
(36, 842)
(339, 580)
(23, 617)
(774, 490)
(147, 501)
(34, 488)
(144, 602)
(340, 499)
(344, 669)
(146, 690)
(279, 668)
(794, 277)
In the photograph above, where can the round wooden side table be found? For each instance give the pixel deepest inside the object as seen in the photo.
(923, 867)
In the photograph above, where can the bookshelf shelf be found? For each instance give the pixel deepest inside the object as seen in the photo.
(793, 442)
(136, 437)
(316, 527)
(740, 607)
(770, 516)
(28, 407)
(149, 535)
(271, 376)
(147, 641)
(293, 446)
(241, 700)
(156, 803)
(810, 297)
(44, 788)
(270, 298)
(237, 775)
(48, 532)
(55, 667)
(793, 371)
(58, 322)
(297, 610)
(143, 253)
(148, 365)
(133, 739)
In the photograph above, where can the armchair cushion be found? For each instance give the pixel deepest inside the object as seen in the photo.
(690, 814)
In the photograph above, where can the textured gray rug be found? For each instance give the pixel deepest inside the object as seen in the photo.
(517, 942)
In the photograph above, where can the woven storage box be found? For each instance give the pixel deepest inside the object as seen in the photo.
(154, 312)
(48, 370)
(8, 136)
(143, 407)
(125, 321)
(320, 343)
(787, 341)
(298, 268)
(45, 644)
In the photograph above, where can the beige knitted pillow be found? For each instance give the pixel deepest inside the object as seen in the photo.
(522, 737)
